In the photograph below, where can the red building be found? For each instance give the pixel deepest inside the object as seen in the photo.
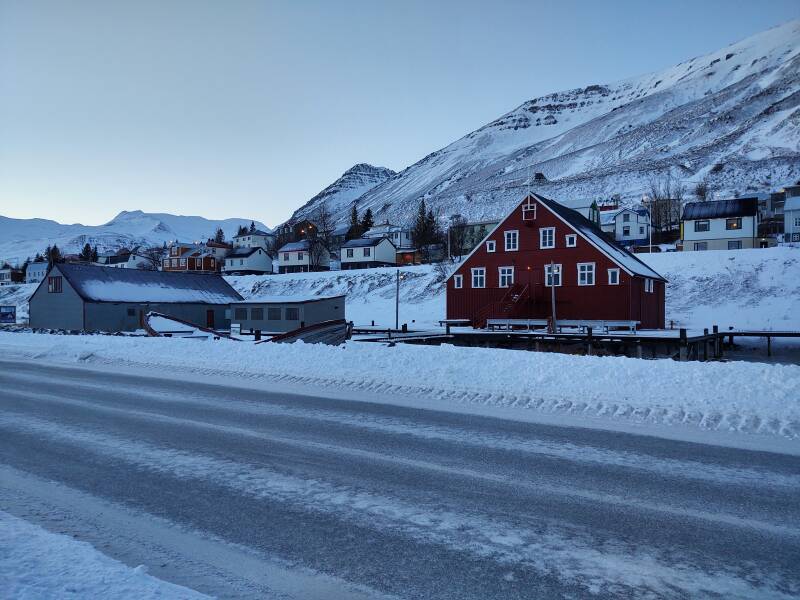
(541, 242)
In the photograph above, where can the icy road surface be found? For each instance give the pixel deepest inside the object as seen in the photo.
(237, 492)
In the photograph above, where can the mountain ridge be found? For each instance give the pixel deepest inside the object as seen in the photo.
(23, 238)
(731, 116)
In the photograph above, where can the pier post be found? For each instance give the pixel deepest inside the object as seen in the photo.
(639, 350)
(705, 344)
(683, 350)
(589, 341)
(717, 343)
(769, 345)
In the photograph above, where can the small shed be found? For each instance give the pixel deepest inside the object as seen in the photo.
(92, 298)
(279, 314)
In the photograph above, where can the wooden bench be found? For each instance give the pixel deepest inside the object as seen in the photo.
(511, 324)
(602, 326)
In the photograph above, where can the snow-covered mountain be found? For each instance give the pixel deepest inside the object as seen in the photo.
(732, 116)
(353, 184)
(22, 238)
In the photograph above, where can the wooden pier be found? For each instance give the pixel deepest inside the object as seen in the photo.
(679, 344)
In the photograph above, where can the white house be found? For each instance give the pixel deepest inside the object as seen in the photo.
(628, 226)
(254, 239)
(791, 214)
(35, 272)
(363, 253)
(399, 236)
(720, 224)
(303, 256)
(5, 275)
(247, 261)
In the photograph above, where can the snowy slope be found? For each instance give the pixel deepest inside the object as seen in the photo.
(730, 288)
(21, 238)
(738, 108)
(353, 184)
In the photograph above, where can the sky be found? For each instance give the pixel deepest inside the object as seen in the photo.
(248, 109)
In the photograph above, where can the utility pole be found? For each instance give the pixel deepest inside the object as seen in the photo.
(397, 302)
(553, 291)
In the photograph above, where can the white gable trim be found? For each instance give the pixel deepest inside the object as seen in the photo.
(568, 224)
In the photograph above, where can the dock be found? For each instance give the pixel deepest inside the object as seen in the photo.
(680, 344)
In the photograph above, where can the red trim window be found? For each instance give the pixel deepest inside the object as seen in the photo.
(54, 285)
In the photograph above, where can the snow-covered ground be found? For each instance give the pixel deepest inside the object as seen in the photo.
(757, 289)
(36, 564)
(752, 398)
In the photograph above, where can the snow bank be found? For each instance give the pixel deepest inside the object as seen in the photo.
(35, 563)
(735, 396)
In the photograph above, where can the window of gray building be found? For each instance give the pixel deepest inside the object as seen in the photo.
(274, 314)
(240, 314)
(292, 314)
(257, 314)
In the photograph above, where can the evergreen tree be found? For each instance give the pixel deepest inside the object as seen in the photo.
(433, 229)
(241, 231)
(252, 226)
(53, 255)
(38, 257)
(355, 224)
(86, 253)
(219, 235)
(94, 254)
(419, 232)
(367, 222)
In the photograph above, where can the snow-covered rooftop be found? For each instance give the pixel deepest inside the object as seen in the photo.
(108, 284)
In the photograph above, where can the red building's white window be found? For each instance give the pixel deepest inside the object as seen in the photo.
(649, 287)
(572, 240)
(506, 276)
(529, 210)
(512, 241)
(552, 275)
(547, 237)
(585, 273)
(490, 246)
(613, 277)
(458, 281)
(479, 277)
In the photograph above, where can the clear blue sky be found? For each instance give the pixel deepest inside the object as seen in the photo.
(248, 109)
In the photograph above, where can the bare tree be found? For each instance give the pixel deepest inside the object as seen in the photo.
(152, 258)
(665, 202)
(703, 190)
(316, 253)
(457, 236)
(323, 220)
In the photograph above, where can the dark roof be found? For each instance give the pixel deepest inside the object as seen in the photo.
(365, 242)
(255, 232)
(241, 252)
(590, 231)
(720, 209)
(110, 284)
(295, 246)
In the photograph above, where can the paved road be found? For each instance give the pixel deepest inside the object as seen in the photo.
(246, 493)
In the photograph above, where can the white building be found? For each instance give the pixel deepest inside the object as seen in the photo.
(791, 214)
(720, 225)
(364, 253)
(247, 261)
(35, 272)
(628, 226)
(5, 275)
(303, 256)
(399, 236)
(254, 239)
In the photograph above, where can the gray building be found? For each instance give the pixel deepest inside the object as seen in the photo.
(91, 298)
(285, 313)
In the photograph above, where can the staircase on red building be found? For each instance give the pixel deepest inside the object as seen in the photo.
(515, 299)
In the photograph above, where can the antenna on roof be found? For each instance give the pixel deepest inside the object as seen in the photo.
(529, 180)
